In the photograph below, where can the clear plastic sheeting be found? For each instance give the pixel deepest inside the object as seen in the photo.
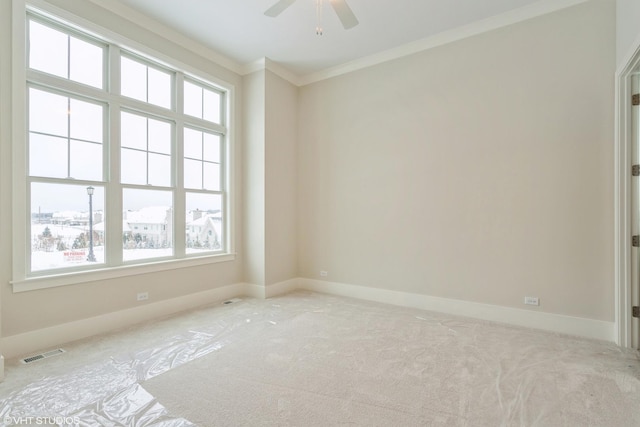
(309, 359)
(132, 406)
(151, 362)
(62, 395)
(109, 393)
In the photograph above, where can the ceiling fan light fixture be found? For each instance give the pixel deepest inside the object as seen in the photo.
(342, 9)
(318, 17)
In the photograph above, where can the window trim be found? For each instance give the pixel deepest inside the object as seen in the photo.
(79, 277)
(71, 31)
(22, 279)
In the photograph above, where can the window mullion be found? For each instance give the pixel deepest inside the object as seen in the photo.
(113, 208)
(205, 125)
(147, 153)
(58, 84)
(147, 109)
(222, 162)
(69, 138)
(179, 214)
(68, 57)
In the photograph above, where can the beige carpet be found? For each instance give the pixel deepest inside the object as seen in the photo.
(335, 361)
(307, 359)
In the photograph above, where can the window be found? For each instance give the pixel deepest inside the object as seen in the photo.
(205, 230)
(145, 150)
(65, 136)
(202, 102)
(60, 53)
(202, 160)
(105, 127)
(145, 83)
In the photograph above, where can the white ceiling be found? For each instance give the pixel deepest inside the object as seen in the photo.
(239, 30)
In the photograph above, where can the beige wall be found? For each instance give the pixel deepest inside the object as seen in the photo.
(270, 126)
(628, 30)
(5, 152)
(253, 167)
(22, 312)
(480, 170)
(281, 179)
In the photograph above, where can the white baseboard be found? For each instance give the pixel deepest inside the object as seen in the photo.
(282, 288)
(588, 328)
(254, 291)
(54, 336)
(269, 291)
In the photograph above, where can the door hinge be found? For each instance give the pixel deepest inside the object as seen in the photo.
(635, 99)
(635, 170)
(635, 241)
(635, 311)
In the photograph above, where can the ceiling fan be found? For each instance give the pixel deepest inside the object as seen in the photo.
(342, 9)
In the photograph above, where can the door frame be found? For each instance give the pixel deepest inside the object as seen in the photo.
(623, 153)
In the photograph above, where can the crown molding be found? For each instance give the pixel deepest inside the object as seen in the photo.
(534, 10)
(274, 67)
(168, 33)
(540, 8)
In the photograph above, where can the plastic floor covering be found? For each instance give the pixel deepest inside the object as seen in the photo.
(306, 359)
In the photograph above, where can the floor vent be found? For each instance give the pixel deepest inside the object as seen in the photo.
(231, 301)
(43, 355)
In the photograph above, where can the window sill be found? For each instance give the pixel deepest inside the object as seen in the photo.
(52, 281)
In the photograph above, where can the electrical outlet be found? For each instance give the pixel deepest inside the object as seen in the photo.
(324, 273)
(143, 296)
(531, 301)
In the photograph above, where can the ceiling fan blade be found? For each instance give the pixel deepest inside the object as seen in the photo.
(278, 8)
(345, 13)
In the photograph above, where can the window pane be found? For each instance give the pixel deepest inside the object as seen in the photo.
(145, 83)
(202, 103)
(147, 224)
(86, 160)
(159, 136)
(204, 223)
(192, 144)
(159, 88)
(133, 166)
(133, 131)
(192, 174)
(159, 170)
(86, 120)
(86, 63)
(48, 113)
(201, 174)
(192, 100)
(150, 162)
(212, 148)
(211, 176)
(133, 81)
(48, 156)
(48, 49)
(60, 226)
(211, 106)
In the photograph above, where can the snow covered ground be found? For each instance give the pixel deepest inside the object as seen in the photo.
(53, 258)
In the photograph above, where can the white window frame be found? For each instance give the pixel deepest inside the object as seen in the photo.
(114, 265)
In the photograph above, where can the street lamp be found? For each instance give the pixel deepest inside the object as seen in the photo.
(91, 257)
